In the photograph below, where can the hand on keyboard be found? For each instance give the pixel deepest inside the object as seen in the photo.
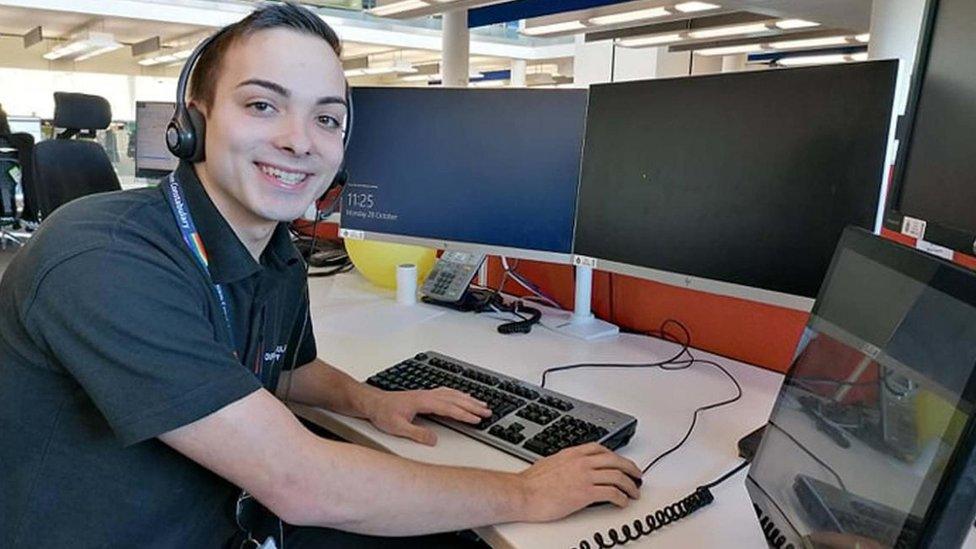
(577, 477)
(393, 412)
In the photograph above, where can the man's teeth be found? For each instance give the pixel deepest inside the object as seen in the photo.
(289, 178)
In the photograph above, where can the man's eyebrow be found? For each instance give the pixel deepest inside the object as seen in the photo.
(332, 100)
(285, 92)
(267, 84)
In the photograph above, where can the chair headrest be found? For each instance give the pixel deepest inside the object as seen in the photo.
(80, 111)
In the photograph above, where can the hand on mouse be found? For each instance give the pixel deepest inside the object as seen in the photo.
(575, 478)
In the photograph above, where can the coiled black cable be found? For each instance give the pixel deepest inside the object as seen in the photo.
(658, 519)
(639, 528)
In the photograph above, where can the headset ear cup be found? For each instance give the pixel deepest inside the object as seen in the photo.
(179, 135)
(198, 126)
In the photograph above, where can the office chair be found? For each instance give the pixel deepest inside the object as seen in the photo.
(67, 167)
(15, 153)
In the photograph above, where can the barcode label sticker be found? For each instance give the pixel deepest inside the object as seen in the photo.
(584, 261)
(935, 249)
(351, 234)
(912, 227)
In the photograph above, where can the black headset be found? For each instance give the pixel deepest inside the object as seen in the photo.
(186, 130)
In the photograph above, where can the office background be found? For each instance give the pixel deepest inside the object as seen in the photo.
(136, 49)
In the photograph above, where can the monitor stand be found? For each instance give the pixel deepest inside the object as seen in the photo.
(582, 324)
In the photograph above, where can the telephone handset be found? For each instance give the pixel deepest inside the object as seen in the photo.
(448, 282)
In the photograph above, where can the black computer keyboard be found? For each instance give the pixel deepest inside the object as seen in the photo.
(527, 421)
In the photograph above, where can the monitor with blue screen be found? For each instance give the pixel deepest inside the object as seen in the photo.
(484, 170)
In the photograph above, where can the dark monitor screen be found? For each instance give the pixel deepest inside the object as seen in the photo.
(870, 438)
(745, 178)
(152, 156)
(935, 178)
(496, 168)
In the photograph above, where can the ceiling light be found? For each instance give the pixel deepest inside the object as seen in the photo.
(65, 50)
(398, 67)
(554, 28)
(84, 46)
(488, 84)
(812, 60)
(810, 42)
(729, 31)
(866, 37)
(649, 40)
(730, 50)
(629, 16)
(378, 70)
(98, 51)
(398, 7)
(863, 56)
(689, 7)
(787, 24)
(165, 58)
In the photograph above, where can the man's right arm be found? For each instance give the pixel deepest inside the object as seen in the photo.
(257, 444)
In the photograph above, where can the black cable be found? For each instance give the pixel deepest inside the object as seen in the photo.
(726, 476)
(700, 409)
(828, 381)
(840, 481)
(343, 268)
(678, 510)
(308, 313)
(523, 326)
(671, 364)
(663, 363)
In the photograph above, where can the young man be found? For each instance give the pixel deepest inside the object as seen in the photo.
(133, 410)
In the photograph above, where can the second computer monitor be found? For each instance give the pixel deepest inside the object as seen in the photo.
(489, 170)
(738, 184)
(153, 158)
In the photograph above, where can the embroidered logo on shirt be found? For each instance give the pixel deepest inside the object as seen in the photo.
(274, 356)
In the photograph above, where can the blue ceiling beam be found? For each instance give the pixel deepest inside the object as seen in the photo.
(526, 9)
(773, 56)
(505, 74)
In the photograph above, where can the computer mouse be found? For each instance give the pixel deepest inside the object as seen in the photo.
(637, 480)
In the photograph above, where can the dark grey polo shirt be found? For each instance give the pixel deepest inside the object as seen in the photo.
(111, 334)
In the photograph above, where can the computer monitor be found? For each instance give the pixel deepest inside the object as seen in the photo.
(470, 169)
(153, 158)
(871, 440)
(26, 124)
(933, 194)
(738, 184)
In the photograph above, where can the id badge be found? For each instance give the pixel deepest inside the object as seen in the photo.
(14, 173)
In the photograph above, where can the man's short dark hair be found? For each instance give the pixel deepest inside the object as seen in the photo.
(269, 16)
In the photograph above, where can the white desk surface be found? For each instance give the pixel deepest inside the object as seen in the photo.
(361, 329)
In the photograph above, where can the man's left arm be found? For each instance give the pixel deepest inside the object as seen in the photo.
(322, 385)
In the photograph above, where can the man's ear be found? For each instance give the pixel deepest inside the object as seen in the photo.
(200, 107)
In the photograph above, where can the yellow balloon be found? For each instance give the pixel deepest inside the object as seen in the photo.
(378, 261)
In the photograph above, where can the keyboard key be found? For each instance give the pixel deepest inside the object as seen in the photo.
(539, 447)
(557, 403)
(519, 390)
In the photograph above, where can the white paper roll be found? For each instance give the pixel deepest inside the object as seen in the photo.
(407, 284)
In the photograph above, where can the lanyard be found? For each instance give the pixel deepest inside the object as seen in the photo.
(191, 237)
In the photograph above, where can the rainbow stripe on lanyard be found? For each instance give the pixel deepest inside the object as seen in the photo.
(192, 239)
